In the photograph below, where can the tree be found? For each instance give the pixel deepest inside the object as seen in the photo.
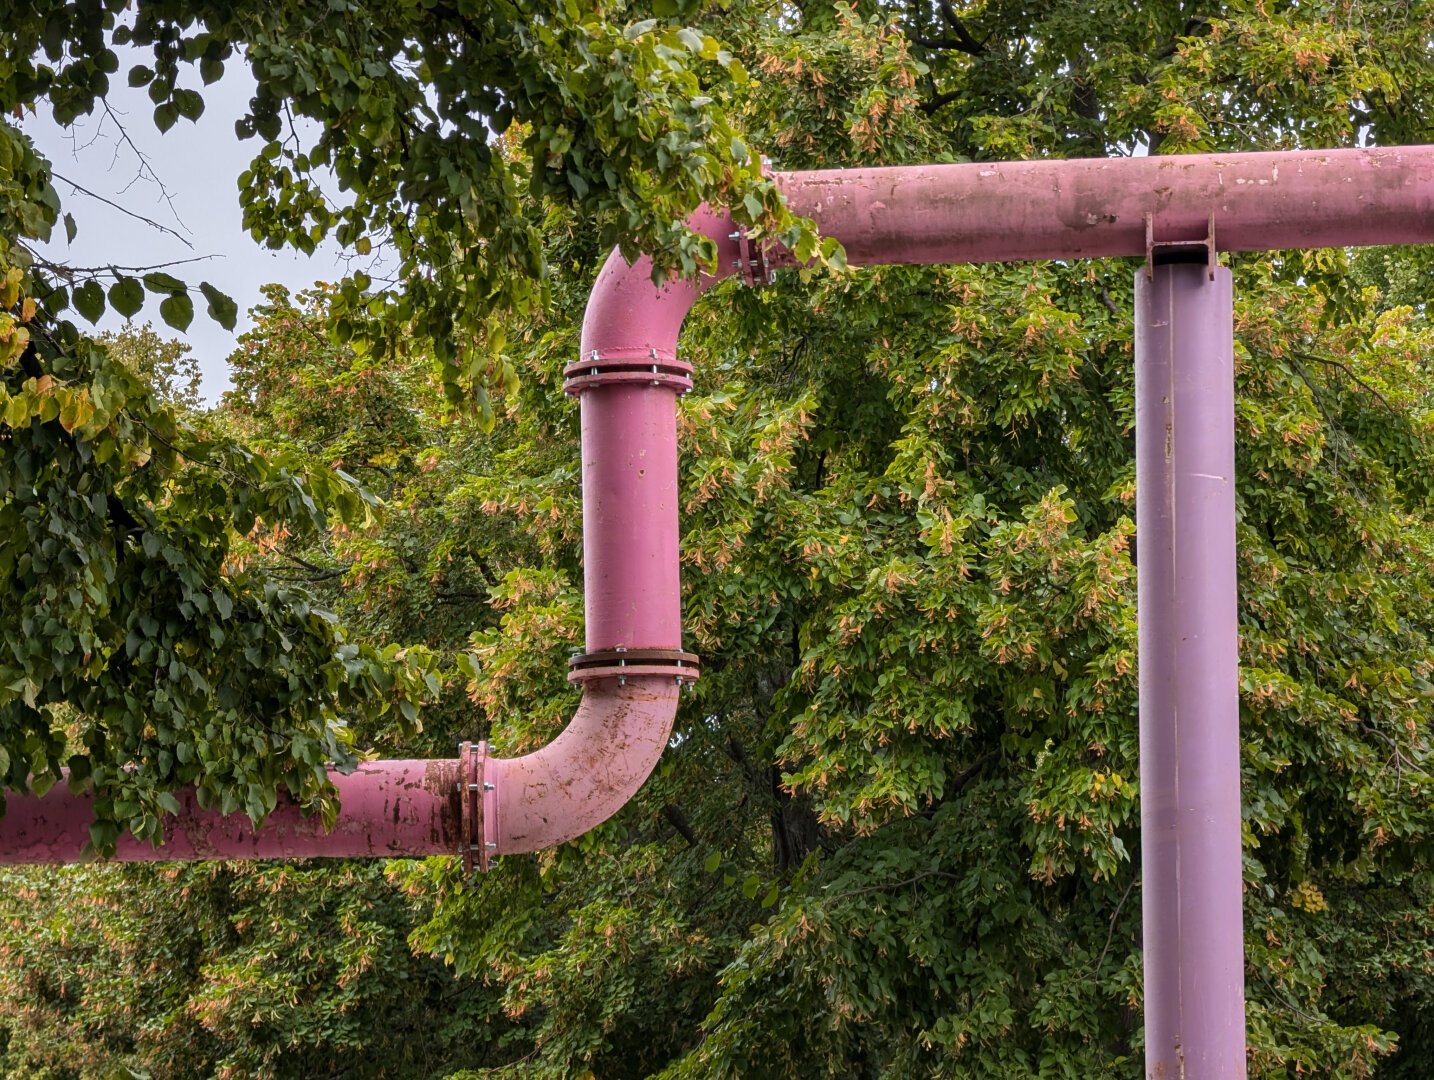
(896, 832)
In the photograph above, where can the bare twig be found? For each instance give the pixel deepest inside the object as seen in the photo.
(1356, 380)
(146, 170)
(884, 886)
(1114, 918)
(71, 272)
(123, 210)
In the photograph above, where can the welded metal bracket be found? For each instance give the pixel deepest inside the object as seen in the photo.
(1169, 251)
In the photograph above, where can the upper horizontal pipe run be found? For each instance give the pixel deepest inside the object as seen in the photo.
(1096, 207)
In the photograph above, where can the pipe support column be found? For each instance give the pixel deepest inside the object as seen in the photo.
(1189, 693)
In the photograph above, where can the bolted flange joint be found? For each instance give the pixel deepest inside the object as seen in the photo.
(477, 802)
(751, 263)
(631, 366)
(622, 663)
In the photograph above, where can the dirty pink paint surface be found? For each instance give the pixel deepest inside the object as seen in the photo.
(390, 808)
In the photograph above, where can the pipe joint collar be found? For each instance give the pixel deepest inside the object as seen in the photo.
(620, 663)
(628, 365)
(752, 263)
(477, 807)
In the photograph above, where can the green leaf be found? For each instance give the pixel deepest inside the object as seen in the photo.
(165, 116)
(157, 281)
(126, 296)
(221, 308)
(712, 862)
(139, 75)
(70, 229)
(89, 300)
(189, 103)
(177, 311)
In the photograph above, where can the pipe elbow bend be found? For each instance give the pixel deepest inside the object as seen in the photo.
(628, 316)
(588, 773)
(627, 380)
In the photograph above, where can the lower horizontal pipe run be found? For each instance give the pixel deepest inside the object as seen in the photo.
(387, 809)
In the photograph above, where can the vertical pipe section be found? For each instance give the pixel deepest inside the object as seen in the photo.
(632, 594)
(1189, 704)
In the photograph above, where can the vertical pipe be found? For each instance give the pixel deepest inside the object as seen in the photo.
(1189, 704)
(630, 563)
(1155, 603)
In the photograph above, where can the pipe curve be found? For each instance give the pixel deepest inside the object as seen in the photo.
(631, 559)
(588, 773)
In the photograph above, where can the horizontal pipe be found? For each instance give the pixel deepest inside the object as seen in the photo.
(387, 809)
(1096, 207)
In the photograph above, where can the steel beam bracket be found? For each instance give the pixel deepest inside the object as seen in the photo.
(620, 663)
(1180, 251)
(476, 798)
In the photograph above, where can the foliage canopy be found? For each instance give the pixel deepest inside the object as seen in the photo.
(897, 835)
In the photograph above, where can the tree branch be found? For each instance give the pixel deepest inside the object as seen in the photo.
(678, 820)
(1114, 918)
(946, 44)
(71, 272)
(123, 210)
(882, 887)
(940, 101)
(1356, 380)
(968, 44)
(1171, 47)
(145, 168)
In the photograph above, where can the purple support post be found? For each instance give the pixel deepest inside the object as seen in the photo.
(1189, 693)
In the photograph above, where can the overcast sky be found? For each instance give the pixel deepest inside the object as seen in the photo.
(198, 164)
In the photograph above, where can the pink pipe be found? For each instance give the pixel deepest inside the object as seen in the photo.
(389, 808)
(921, 214)
(632, 591)
(1096, 207)
(589, 772)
